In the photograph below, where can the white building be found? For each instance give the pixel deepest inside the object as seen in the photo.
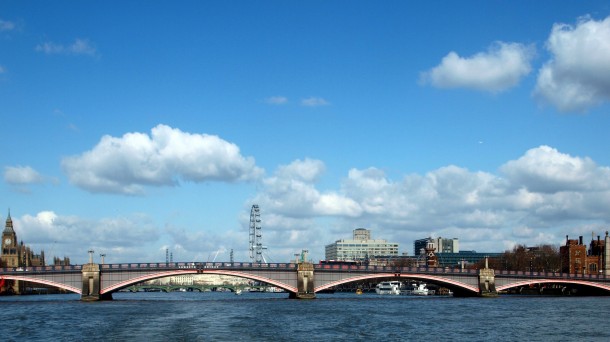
(361, 247)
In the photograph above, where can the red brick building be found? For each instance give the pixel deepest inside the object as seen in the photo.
(576, 258)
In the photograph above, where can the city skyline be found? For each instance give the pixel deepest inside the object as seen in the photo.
(130, 129)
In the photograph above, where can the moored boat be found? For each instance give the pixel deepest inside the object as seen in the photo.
(388, 287)
(415, 289)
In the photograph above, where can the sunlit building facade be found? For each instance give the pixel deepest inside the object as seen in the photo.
(361, 247)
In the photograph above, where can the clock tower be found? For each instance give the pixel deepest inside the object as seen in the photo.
(10, 253)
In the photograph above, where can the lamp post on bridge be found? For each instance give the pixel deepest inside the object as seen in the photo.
(91, 256)
(102, 256)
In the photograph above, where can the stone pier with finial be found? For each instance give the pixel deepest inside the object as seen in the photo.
(91, 282)
(487, 283)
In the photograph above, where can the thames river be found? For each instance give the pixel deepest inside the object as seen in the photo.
(218, 316)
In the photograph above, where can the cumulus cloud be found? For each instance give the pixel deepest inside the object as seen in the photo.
(545, 169)
(126, 164)
(537, 198)
(22, 175)
(72, 236)
(314, 102)
(291, 192)
(308, 170)
(79, 47)
(501, 67)
(577, 76)
(276, 100)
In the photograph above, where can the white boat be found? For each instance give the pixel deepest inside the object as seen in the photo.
(388, 287)
(238, 291)
(421, 290)
(417, 290)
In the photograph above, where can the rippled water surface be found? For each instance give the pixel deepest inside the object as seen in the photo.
(210, 316)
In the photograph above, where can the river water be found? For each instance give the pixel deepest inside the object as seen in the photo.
(218, 316)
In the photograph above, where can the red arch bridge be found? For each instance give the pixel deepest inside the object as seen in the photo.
(301, 280)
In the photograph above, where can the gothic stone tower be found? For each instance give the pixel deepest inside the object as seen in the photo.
(10, 250)
(10, 254)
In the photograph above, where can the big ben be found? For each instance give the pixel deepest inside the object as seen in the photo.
(10, 252)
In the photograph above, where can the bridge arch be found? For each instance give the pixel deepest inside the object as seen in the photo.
(432, 278)
(43, 282)
(527, 282)
(132, 281)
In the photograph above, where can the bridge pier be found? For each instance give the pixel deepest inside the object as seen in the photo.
(305, 282)
(487, 283)
(91, 284)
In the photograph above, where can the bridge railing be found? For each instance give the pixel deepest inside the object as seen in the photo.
(33, 269)
(557, 275)
(454, 270)
(394, 269)
(198, 265)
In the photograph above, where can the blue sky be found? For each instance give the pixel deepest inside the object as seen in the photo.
(131, 127)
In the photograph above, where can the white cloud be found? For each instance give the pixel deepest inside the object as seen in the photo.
(291, 192)
(500, 68)
(121, 238)
(276, 100)
(6, 25)
(308, 170)
(79, 47)
(314, 102)
(578, 74)
(127, 164)
(22, 175)
(537, 198)
(546, 170)
(132, 238)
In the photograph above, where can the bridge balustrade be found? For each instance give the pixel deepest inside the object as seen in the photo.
(394, 269)
(200, 265)
(41, 268)
(557, 275)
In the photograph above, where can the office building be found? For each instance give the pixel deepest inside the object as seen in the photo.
(360, 248)
(440, 245)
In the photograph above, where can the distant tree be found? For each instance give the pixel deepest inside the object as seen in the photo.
(542, 258)
(518, 259)
(405, 262)
(546, 259)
